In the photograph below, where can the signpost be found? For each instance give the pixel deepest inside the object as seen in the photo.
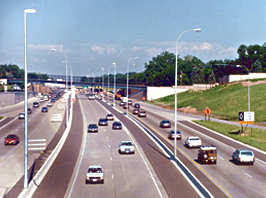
(246, 117)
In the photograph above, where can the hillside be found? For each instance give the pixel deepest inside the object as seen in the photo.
(225, 101)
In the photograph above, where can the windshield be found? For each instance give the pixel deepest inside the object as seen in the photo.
(249, 153)
(126, 144)
(94, 170)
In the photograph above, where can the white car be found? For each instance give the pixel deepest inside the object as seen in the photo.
(243, 156)
(49, 104)
(193, 141)
(94, 174)
(91, 97)
(126, 147)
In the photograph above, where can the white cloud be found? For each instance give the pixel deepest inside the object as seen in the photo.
(98, 49)
(153, 51)
(48, 47)
(110, 50)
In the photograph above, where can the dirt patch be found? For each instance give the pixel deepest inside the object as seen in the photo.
(245, 84)
(189, 109)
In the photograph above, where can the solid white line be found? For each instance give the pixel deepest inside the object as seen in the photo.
(184, 175)
(83, 147)
(248, 175)
(10, 122)
(146, 164)
(251, 147)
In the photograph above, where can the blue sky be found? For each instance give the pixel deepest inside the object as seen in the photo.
(95, 33)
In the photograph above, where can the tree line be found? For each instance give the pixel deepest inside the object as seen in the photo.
(160, 71)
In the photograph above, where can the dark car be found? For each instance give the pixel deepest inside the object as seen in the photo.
(137, 105)
(165, 124)
(135, 111)
(142, 113)
(129, 102)
(109, 116)
(44, 109)
(52, 100)
(103, 122)
(35, 104)
(117, 125)
(122, 103)
(172, 135)
(29, 111)
(11, 140)
(92, 128)
(21, 115)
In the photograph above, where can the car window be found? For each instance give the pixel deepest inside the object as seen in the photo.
(249, 153)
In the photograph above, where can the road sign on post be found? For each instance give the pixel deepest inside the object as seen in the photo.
(246, 117)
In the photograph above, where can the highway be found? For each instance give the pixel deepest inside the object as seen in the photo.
(232, 179)
(39, 127)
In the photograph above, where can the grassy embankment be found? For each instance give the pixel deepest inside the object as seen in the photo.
(226, 101)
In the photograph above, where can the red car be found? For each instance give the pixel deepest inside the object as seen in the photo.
(11, 140)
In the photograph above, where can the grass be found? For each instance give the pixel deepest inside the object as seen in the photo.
(225, 101)
(257, 138)
(1, 117)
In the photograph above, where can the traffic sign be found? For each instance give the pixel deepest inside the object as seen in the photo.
(241, 116)
(246, 117)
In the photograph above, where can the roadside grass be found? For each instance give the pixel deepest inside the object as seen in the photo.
(256, 138)
(1, 117)
(225, 101)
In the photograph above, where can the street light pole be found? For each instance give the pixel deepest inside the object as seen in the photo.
(66, 60)
(26, 11)
(114, 83)
(102, 78)
(108, 86)
(177, 40)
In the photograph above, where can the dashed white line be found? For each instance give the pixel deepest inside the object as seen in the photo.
(112, 176)
(248, 175)
(111, 158)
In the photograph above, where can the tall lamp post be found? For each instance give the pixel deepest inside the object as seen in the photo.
(128, 61)
(114, 83)
(102, 77)
(26, 11)
(177, 40)
(108, 84)
(66, 61)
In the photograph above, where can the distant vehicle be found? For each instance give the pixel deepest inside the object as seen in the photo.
(137, 105)
(117, 125)
(103, 122)
(135, 111)
(192, 141)
(21, 115)
(207, 154)
(94, 174)
(109, 116)
(52, 100)
(125, 106)
(11, 140)
(46, 97)
(165, 124)
(35, 104)
(122, 103)
(49, 104)
(41, 99)
(29, 111)
(92, 128)
(91, 97)
(142, 113)
(126, 147)
(44, 109)
(172, 135)
(129, 102)
(243, 156)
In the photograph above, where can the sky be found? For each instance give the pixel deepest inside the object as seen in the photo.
(93, 34)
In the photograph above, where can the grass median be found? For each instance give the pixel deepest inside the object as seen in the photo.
(252, 136)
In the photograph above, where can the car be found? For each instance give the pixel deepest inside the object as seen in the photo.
(21, 115)
(126, 147)
(44, 109)
(135, 111)
(36, 104)
(129, 102)
(207, 154)
(142, 113)
(125, 106)
(94, 174)
(109, 116)
(49, 104)
(117, 125)
(41, 99)
(122, 103)
(29, 111)
(165, 124)
(92, 128)
(192, 141)
(103, 122)
(173, 135)
(137, 105)
(243, 156)
(52, 100)
(11, 139)
(91, 97)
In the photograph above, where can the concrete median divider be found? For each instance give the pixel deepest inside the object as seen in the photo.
(37, 179)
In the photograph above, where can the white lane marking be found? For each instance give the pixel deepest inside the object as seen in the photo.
(140, 125)
(220, 157)
(111, 158)
(146, 164)
(248, 175)
(112, 176)
(251, 147)
(259, 160)
(83, 147)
